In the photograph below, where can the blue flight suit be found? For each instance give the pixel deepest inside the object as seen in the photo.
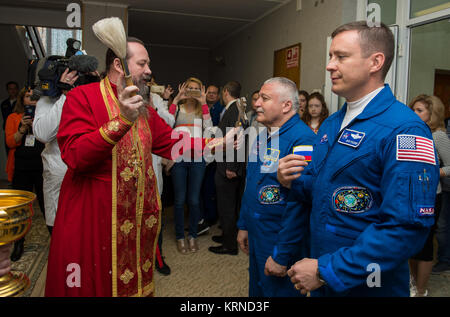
(373, 191)
(274, 228)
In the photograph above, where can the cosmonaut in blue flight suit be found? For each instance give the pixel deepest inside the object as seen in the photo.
(274, 229)
(372, 187)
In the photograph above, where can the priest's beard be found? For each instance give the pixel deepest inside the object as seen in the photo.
(144, 92)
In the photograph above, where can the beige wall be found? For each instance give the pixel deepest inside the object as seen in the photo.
(249, 54)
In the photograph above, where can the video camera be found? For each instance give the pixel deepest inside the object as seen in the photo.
(44, 74)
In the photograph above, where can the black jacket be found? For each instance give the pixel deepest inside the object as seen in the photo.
(7, 109)
(229, 120)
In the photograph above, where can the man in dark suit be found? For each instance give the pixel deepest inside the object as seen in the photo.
(8, 104)
(229, 178)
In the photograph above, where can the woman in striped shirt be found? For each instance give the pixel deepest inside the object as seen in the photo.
(192, 116)
(431, 110)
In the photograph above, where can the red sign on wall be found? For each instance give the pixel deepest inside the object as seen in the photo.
(292, 57)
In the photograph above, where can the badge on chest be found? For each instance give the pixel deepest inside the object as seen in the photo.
(270, 163)
(351, 138)
(30, 140)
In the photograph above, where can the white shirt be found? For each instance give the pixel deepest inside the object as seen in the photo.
(162, 109)
(163, 112)
(45, 128)
(357, 107)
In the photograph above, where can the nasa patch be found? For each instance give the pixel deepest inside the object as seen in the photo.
(425, 211)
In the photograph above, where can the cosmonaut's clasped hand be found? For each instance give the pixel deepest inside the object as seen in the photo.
(273, 268)
(305, 275)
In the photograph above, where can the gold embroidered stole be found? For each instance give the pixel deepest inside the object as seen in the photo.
(135, 206)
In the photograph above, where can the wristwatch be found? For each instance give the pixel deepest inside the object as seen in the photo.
(321, 280)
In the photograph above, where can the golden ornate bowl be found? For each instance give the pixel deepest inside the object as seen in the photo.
(16, 212)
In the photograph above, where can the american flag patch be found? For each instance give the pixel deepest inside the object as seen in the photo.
(415, 148)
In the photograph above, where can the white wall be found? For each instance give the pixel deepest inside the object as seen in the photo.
(249, 54)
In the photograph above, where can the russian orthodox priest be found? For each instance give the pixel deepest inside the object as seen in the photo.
(108, 218)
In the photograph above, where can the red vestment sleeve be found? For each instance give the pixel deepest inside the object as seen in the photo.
(171, 144)
(82, 146)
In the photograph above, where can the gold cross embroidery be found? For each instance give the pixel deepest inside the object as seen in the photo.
(126, 174)
(126, 227)
(127, 276)
(126, 204)
(151, 221)
(136, 164)
(147, 265)
(114, 126)
(150, 172)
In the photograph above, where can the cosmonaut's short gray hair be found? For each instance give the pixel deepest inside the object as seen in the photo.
(289, 90)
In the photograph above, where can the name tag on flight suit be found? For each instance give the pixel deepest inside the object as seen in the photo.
(351, 138)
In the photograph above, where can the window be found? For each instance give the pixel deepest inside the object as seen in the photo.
(54, 40)
(421, 7)
(388, 10)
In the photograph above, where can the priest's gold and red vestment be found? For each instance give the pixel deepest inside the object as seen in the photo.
(108, 218)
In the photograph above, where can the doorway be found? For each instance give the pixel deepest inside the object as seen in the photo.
(430, 60)
(442, 88)
(286, 63)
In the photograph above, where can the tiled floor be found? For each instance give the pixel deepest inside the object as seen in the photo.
(439, 285)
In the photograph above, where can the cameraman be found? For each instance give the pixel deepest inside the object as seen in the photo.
(45, 127)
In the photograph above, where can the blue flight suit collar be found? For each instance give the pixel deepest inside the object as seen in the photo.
(295, 119)
(380, 103)
(377, 105)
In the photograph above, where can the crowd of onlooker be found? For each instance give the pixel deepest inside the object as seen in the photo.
(212, 191)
